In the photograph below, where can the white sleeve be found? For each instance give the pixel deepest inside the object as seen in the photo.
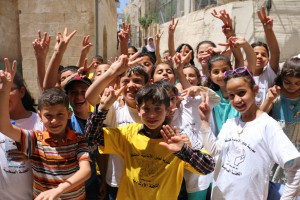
(214, 98)
(292, 186)
(210, 143)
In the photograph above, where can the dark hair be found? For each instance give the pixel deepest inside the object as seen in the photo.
(71, 68)
(262, 44)
(166, 51)
(205, 42)
(98, 58)
(209, 83)
(189, 46)
(165, 62)
(137, 70)
(152, 59)
(27, 99)
(134, 48)
(52, 97)
(245, 75)
(168, 86)
(291, 68)
(196, 71)
(154, 93)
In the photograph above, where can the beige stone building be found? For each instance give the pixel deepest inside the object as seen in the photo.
(20, 21)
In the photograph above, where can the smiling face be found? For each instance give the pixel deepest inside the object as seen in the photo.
(133, 83)
(147, 64)
(55, 118)
(217, 72)
(291, 84)
(191, 76)
(262, 57)
(241, 94)
(76, 95)
(203, 56)
(163, 72)
(153, 115)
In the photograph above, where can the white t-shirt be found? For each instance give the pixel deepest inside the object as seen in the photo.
(118, 116)
(264, 82)
(246, 159)
(15, 185)
(187, 120)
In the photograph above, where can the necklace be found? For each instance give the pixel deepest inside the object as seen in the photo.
(240, 128)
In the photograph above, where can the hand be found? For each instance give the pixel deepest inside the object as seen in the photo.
(62, 40)
(172, 26)
(158, 35)
(273, 92)
(173, 140)
(7, 76)
(85, 70)
(227, 28)
(193, 91)
(264, 19)
(41, 46)
(123, 35)
(52, 194)
(86, 45)
(204, 108)
(186, 55)
(120, 65)
(109, 96)
(234, 42)
(186, 140)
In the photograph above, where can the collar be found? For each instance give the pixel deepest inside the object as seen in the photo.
(69, 137)
(144, 132)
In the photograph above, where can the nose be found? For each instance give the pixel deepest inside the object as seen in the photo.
(130, 84)
(53, 120)
(237, 99)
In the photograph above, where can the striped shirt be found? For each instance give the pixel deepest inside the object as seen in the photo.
(53, 163)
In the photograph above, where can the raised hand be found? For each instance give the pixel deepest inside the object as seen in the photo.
(204, 108)
(173, 140)
(120, 65)
(85, 69)
(41, 46)
(62, 40)
(86, 45)
(273, 92)
(227, 28)
(172, 26)
(266, 21)
(193, 91)
(123, 35)
(158, 35)
(7, 76)
(109, 96)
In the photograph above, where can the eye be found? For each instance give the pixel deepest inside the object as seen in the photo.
(241, 93)
(169, 71)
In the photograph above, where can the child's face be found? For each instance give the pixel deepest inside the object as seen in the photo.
(64, 77)
(133, 84)
(291, 84)
(77, 99)
(217, 72)
(131, 52)
(203, 55)
(185, 50)
(147, 64)
(262, 57)
(100, 69)
(15, 98)
(55, 118)
(241, 94)
(164, 72)
(152, 115)
(191, 76)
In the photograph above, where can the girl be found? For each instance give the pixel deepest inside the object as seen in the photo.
(13, 168)
(192, 75)
(285, 108)
(131, 51)
(248, 145)
(217, 65)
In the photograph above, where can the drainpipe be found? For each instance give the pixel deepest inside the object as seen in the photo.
(97, 22)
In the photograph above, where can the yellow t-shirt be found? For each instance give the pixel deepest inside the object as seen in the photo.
(150, 171)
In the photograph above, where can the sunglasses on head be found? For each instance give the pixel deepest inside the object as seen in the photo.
(238, 70)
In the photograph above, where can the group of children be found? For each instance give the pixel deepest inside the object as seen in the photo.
(226, 130)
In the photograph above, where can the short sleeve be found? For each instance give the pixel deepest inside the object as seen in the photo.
(28, 142)
(113, 141)
(82, 150)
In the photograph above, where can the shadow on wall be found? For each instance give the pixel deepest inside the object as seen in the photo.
(290, 47)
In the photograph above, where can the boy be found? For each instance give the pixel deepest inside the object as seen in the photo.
(59, 156)
(150, 172)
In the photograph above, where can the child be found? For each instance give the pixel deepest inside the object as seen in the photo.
(14, 167)
(217, 65)
(192, 75)
(267, 62)
(285, 107)
(150, 172)
(248, 145)
(65, 172)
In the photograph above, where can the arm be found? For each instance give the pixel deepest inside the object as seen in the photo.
(75, 180)
(292, 185)
(267, 105)
(123, 37)
(272, 42)
(178, 62)
(59, 50)
(172, 28)
(86, 45)
(6, 81)
(41, 49)
(200, 161)
(157, 49)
